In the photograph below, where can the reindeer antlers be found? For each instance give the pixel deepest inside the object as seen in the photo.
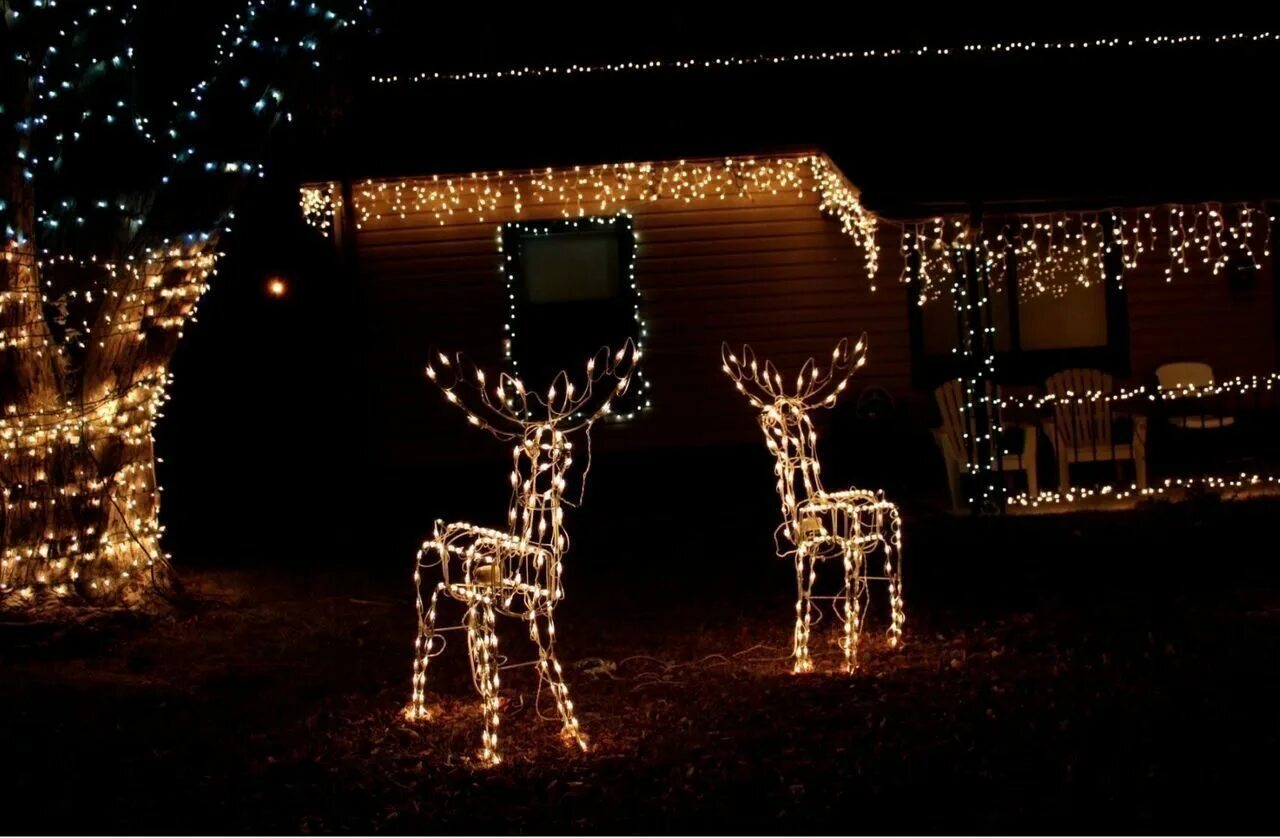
(508, 408)
(813, 387)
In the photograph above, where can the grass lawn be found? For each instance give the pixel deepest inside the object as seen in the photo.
(1101, 673)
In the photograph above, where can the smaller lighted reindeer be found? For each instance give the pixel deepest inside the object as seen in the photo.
(817, 525)
(515, 572)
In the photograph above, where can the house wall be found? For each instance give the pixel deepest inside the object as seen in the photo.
(1200, 317)
(769, 269)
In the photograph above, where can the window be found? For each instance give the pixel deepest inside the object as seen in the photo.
(572, 290)
(1072, 325)
(1077, 318)
(570, 267)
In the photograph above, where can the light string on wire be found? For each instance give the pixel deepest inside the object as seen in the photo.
(1237, 386)
(1076, 497)
(1054, 252)
(514, 572)
(894, 54)
(818, 525)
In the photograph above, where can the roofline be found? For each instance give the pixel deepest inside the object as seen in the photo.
(792, 153)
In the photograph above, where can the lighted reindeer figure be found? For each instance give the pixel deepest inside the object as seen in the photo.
(816, 524)
(515, 573)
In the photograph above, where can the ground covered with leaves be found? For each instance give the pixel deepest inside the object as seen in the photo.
(1103, 673)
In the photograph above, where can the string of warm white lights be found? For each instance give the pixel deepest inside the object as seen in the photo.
(818, 525)
(1237, 386)
(1082, 496)
(1055, 252)
(1018, 47)
(583, 191)
(516, 572)
(1051, 252)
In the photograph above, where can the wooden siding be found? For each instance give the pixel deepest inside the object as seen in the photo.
(770, 269)
(1200, 317)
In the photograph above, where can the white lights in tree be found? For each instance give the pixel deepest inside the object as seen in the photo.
(818, 525)
(516, 572)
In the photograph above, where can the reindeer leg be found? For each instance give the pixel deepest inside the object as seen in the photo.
(854, 589)
(422, 651)
(482, 644)
(549, 670)
(806, 570)
(893, 570)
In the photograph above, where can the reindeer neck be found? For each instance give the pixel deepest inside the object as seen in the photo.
(793, 442)
(541, 460)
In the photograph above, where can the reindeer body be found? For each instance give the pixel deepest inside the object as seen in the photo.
(818, 525)
(516, 572)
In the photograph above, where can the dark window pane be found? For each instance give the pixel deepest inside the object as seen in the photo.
(565, 268)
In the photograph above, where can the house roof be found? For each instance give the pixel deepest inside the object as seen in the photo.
(943, 134)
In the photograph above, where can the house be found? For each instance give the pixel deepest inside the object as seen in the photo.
(736, 249)
(1091, 262)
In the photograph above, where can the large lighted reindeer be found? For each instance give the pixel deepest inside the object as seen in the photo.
(817, 525)
(516, 572)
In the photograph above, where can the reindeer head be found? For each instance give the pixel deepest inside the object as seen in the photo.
(784, 414)
(503, 406)
(764, 386)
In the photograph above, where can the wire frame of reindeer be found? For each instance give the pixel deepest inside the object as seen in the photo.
(516, 572)
(851, 525)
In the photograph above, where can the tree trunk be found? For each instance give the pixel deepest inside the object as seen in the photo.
(80, 501)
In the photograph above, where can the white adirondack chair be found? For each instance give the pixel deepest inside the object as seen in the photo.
(1082, 429)
(1191, 374)
(955, 449)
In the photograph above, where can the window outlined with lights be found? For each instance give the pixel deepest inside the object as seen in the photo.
(571, 288)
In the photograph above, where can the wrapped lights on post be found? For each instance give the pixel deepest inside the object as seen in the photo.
(516, 572)
(818, 525)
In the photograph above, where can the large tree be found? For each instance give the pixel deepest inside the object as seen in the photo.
(116, 187)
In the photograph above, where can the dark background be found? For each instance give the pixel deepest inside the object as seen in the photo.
(268, 416)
